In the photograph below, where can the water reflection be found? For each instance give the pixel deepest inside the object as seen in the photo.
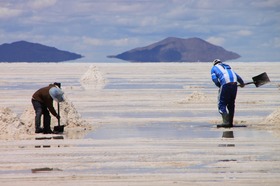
(227, 134)
(48, 138)
(45, 169)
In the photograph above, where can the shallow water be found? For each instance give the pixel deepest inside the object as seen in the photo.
(176, 131)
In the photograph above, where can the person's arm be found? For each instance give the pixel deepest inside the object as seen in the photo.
(240, 80)
(49, 104)
(215, 78)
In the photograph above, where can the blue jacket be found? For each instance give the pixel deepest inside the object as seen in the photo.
(222, 74)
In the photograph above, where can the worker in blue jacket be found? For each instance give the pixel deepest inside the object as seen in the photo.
(226, 79)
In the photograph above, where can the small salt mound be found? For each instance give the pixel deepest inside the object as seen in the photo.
(70, 117)
(195, 97)
(93, 78)
(10, 124)
(273, 118)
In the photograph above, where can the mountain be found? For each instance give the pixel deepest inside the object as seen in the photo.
(174, 49)
(23, 51)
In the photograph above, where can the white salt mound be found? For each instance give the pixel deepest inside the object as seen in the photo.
(12, 126)
(273, 118)
(93, 78)
(196, 97)
(69, 116)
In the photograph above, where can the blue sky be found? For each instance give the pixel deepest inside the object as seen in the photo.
(97, 28)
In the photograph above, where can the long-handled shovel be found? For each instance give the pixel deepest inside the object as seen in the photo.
(259, 80)
(59, 128)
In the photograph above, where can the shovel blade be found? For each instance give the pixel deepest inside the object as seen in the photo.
(261, 79)
(58, 129)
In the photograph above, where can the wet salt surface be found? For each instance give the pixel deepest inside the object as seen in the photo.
(119, 83)
(172, 131)
(200, 150)
(155, 114)
(18, 85)
(165, 130)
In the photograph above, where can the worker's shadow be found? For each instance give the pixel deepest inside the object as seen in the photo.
(227, 134)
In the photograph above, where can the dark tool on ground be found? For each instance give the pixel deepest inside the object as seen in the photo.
(259, 80)
(59, 128)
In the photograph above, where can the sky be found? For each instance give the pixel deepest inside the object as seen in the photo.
(98, 28)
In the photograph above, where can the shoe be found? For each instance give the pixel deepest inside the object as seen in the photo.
(39, 130)
(224, 126)
(48, 132)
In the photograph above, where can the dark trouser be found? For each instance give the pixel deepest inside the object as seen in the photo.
(41, 109)
(226, 105)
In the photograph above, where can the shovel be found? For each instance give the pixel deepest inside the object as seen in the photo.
(59, 128)
(259, 80)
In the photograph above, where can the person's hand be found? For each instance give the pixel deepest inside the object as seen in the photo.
(57, 116)
(242, 85)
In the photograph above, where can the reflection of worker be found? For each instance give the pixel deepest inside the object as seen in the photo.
(226, 79)
(42, 101)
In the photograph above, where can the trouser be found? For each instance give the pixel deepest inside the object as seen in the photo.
(41, 109)
(226, 103)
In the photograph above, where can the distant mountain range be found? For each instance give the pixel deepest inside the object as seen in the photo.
(174, 49)
(23, 51)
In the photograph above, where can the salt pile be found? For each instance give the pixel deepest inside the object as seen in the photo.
(195, 97)
(273, 118)
(12, 126)
(70, 117)
(93, 78)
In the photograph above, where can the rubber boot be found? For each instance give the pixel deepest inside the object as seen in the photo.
(47, 123)
(226, 123)
(38, 129)
(231, 119)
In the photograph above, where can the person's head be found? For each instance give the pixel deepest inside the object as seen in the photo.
(56, 94)
(216, 61)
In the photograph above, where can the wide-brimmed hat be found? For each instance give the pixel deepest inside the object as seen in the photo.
(56, 94)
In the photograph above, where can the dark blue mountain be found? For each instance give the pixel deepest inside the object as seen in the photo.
(177, 50)
(23, 51)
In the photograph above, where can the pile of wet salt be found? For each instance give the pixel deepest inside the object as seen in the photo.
(93, 78)
(195, 97)
(13, 126)
(10, 124)
(273, 118)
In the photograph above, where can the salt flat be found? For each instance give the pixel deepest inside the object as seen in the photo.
(153, 124)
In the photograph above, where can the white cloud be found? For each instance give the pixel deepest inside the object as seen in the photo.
(93, 41)
(39, 4)
(111, 42)
(216, 40)
(266, 3)
(8, 12)
(276, 42)
(244, 33)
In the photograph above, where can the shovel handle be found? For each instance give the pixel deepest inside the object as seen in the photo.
(58, 113)
(247, 83)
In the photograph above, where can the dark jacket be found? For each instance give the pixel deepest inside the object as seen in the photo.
(43, 96)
